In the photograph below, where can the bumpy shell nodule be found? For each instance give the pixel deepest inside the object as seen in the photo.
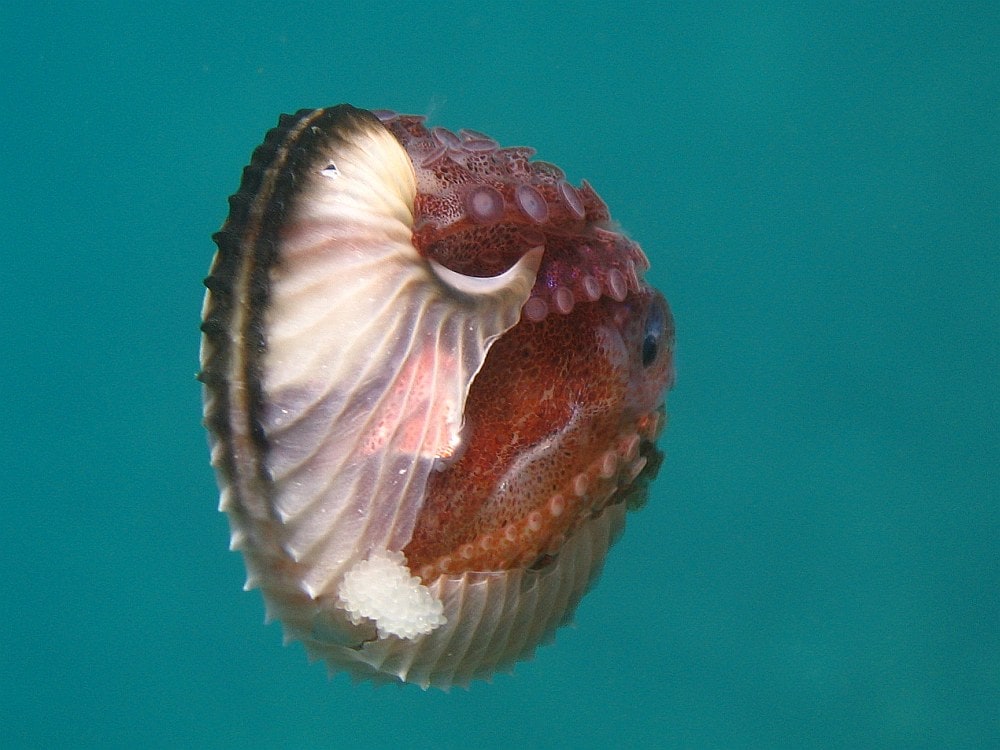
(322, 431)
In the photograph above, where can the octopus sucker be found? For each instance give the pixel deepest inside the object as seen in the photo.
(434, 377)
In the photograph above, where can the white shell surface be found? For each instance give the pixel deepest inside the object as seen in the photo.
(369, 359)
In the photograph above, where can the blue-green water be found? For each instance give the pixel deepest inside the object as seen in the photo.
(818, 190)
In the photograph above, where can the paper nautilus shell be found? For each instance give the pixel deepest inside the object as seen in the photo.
(433, 377)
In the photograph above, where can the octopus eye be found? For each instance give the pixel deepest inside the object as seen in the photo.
(652, 335)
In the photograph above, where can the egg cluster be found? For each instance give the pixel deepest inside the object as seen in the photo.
(381, 589)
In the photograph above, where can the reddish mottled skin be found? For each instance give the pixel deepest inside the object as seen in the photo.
(560, 419)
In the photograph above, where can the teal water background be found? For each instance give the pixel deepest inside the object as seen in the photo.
(818, 191)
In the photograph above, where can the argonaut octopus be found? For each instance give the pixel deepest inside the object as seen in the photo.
(434, 376)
